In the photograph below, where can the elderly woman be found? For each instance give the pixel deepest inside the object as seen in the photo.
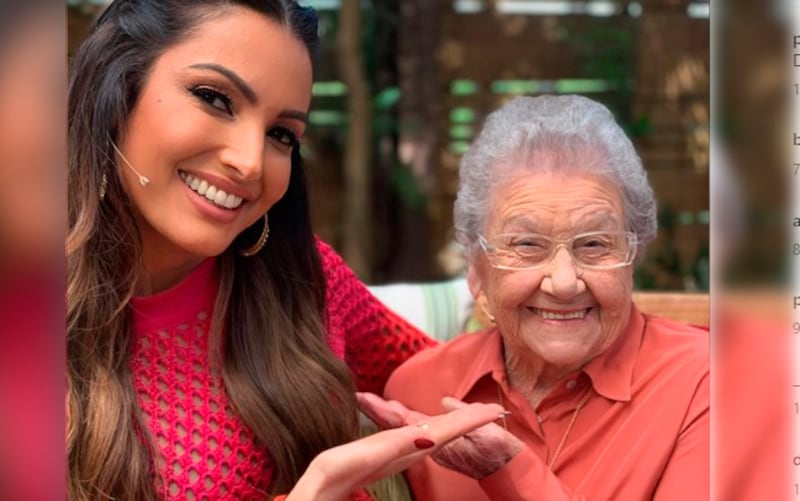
(553, 210)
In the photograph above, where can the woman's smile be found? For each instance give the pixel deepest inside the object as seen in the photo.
(560, 315)
(213, 193)
(209, 207)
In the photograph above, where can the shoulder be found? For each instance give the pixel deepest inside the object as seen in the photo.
(440, 369)
(674, 359)
(676, 342)
(329, 258)
(324, 248)
(341, 283)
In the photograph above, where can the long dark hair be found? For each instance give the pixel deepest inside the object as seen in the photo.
(279, 374)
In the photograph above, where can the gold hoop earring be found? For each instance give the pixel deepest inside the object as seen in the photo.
(103, 187)
(255, 248)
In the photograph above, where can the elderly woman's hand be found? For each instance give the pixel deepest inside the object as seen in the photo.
(476, 454)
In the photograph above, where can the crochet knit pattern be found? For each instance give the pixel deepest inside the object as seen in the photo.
(203, 451)
(375, 340)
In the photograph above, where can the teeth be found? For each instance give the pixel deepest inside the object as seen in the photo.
(211, 193)
(220, 197)
(549, 315)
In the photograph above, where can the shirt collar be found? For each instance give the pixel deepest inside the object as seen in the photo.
(197, 291)
(611, 372)
(488, 359)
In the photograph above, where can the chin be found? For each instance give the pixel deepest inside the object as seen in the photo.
(561, 354)
(569, 360)
(206, 248)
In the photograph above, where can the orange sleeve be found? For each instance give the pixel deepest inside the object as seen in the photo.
(687, 475)
(526, 478)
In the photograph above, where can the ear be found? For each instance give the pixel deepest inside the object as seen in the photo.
(481, 311)
(474, 279)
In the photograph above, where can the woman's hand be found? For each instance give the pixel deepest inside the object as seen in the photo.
(477, 454)
(337, 472)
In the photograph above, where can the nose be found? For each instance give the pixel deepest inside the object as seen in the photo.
(561, 279)
(244, 154)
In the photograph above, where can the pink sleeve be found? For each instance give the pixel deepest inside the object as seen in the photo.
(372, 339)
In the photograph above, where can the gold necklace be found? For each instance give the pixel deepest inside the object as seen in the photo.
(582, 402)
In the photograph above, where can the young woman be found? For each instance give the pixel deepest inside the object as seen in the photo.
(207, 327)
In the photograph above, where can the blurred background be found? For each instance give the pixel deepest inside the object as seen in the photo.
(403, 86)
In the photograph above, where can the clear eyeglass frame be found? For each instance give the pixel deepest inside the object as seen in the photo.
(491, 250)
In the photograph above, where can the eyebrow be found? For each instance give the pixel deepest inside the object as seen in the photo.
(246, 90)
(523, 222)
(526, 223)
(231, 75)
(600, 220)
(294, 115)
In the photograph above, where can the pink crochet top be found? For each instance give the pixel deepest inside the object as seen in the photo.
(203, 451)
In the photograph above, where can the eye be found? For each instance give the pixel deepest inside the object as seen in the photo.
(528, 245)
(596, 243)
(215, 98)
(283, 136)
(526, 242)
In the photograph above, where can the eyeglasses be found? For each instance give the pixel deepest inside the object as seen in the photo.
(597, 250)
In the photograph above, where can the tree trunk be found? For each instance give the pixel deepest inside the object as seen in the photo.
(420, 116)
(357, 225)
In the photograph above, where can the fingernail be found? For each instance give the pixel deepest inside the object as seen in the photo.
(423, 443)
(504, 414)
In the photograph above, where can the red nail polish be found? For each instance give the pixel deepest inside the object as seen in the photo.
(423, 443)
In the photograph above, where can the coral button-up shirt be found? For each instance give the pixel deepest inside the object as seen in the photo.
(642, 434)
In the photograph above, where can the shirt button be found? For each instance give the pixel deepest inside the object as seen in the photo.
(540, 419)
(571, 384)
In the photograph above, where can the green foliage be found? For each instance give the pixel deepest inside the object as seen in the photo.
(405, 185)
(607, 51)
(639, 127)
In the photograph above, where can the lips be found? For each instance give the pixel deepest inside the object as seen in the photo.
(212, 193)
(560, 315)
